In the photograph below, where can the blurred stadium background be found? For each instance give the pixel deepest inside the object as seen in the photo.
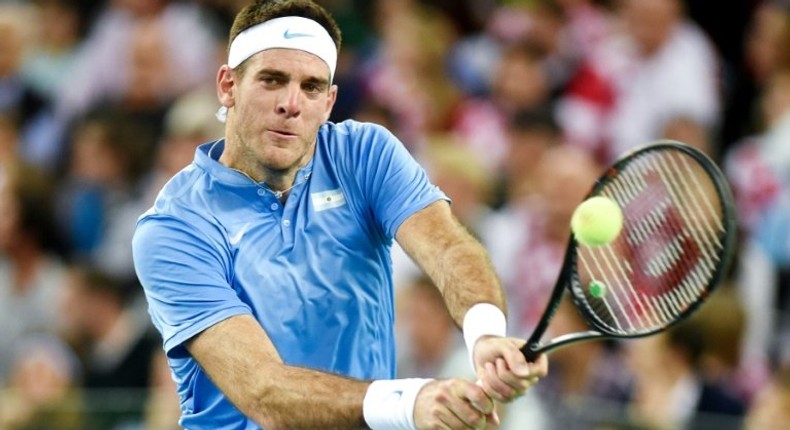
(513, 107)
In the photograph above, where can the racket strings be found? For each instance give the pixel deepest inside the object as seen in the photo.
(689, 219)
(608, 262)
(707, 240)
(668, 251)
(672, 254)
(624, 192)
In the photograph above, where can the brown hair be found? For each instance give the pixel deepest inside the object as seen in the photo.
(265, 10)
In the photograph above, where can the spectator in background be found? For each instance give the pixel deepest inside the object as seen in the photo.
(31, 269)
(776, 109)
(531, 133)
(117, 348)
(110, 151)
(137, 55)
(695, 363)
(659, 70)
(48, 63)
(520, 83)
(29, 108)
(407, 72)
(588, 23)
(773, 238)
(564, 30)
(755, 48)
(463, 176)
(471, 56)
(757, 167)
(42, 391)
(766, 40)
(770, 410)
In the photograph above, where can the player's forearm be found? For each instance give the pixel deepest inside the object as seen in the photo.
(467, 276)
(455, 261)
(241, 360)
(287, 397)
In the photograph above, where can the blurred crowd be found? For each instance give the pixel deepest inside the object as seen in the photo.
(514, 107)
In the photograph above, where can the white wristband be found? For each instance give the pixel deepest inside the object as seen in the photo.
(389, 404)
(480, 320)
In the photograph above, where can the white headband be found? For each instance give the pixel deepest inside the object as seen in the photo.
(291, 32)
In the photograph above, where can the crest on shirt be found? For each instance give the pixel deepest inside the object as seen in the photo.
(328, 199)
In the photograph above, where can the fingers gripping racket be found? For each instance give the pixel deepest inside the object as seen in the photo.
(675, 245)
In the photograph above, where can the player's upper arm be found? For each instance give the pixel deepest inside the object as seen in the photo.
(186, 278)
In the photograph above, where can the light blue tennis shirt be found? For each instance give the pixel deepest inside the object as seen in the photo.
(316, 272)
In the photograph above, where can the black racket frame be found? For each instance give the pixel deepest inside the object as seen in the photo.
(568, 278)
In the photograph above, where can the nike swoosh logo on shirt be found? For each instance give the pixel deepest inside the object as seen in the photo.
(289, 35)
(235, 239)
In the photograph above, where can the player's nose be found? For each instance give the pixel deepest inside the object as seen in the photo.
(289, 103)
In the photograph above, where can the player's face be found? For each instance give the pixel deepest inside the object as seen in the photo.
(277, 106)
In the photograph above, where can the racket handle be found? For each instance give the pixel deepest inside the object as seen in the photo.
(531, 351)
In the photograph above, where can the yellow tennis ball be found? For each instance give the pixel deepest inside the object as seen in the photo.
(597, 221)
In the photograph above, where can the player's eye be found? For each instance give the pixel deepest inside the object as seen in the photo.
(312, 87)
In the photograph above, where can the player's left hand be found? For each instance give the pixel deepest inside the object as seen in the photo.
(503, 371)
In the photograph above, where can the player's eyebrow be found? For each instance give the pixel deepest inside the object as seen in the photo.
(274, 73)
(319, 82)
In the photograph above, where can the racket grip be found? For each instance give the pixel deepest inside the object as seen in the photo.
(531, 351)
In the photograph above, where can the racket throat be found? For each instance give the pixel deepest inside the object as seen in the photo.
(532, 350)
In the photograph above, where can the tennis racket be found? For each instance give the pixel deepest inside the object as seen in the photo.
(676, 244)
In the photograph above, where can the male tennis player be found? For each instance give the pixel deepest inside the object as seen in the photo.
(266, 262)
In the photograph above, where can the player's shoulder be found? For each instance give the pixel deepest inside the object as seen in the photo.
(178, 189)
(180, 198)
(180, 212)
(352, 132)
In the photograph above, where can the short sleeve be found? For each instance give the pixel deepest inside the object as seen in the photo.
(395, 185)
(185, 273)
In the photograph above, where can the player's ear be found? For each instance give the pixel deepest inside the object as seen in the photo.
(226, 86)
(330, 101)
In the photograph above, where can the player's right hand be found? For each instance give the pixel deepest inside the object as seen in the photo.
(503, 371)
(453, 404)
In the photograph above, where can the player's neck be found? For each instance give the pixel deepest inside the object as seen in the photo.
(279, 182)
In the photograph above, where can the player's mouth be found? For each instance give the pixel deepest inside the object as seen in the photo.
(282, 133)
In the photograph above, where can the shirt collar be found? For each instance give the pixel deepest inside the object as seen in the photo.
(207, 158)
